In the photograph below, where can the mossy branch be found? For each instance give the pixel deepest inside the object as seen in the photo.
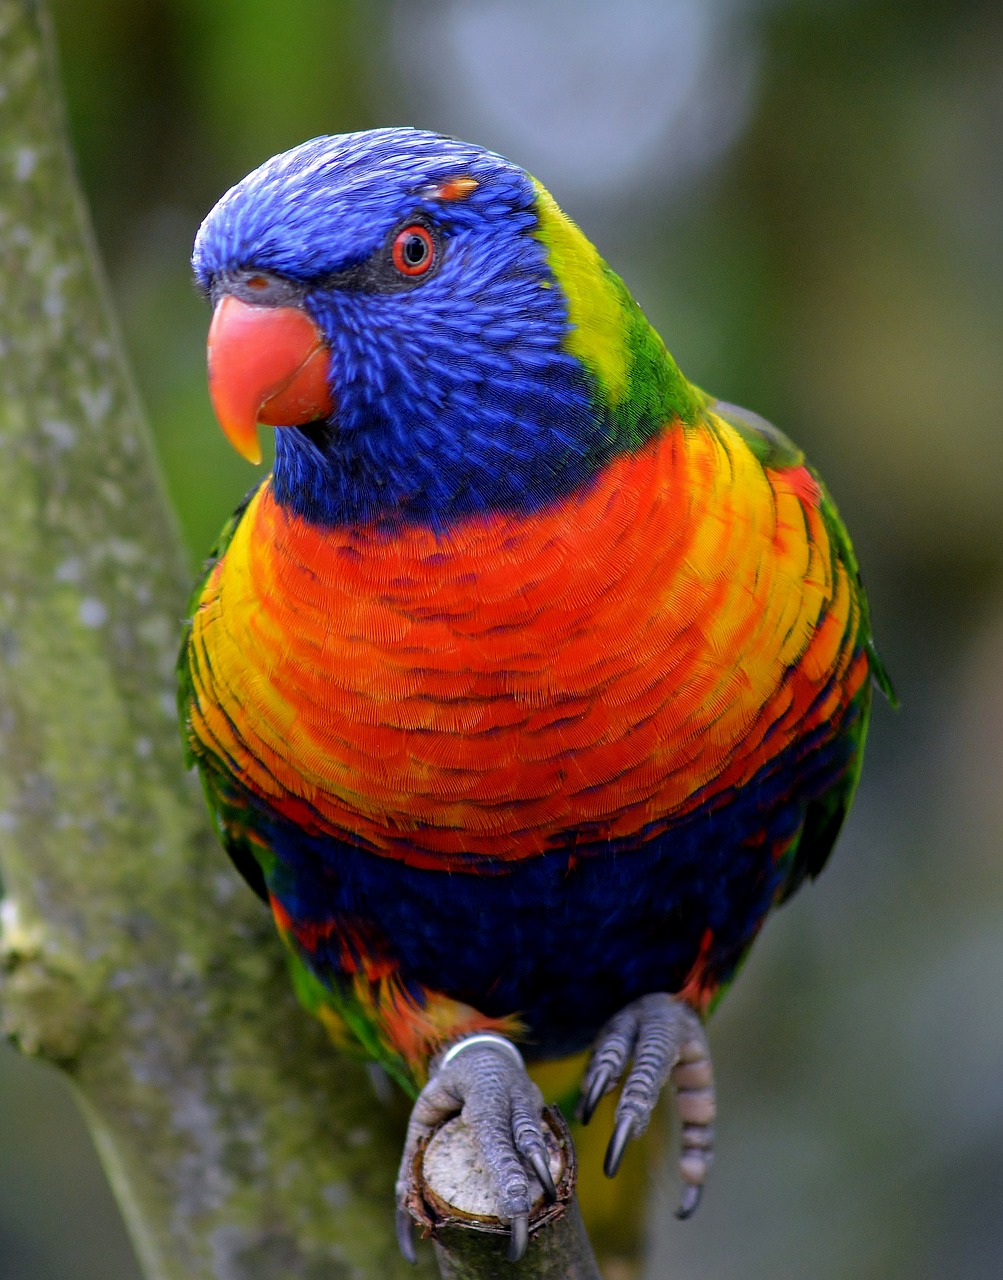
(238, 1143)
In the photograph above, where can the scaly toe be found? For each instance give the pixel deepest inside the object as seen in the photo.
(483, 1077)
(663, 1040)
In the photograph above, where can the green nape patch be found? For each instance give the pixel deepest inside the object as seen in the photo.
(609, 333)
(596, 311)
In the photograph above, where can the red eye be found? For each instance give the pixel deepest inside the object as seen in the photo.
(413, 251)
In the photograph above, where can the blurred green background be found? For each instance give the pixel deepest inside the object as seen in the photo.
(807, 199)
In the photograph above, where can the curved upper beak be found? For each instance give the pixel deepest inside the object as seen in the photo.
(266, 364)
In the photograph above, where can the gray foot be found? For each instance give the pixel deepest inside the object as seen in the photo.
(483, 1077)
(663, 1039)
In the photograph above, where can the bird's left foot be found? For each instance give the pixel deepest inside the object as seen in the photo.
(663, 1039)
(483, 1077)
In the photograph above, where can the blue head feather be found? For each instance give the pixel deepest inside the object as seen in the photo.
(453, 396)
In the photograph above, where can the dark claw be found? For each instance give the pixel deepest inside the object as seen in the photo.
(519, 1238)
(688, 1201)
(405, 1235)
(595, 1095)
(617, 1146)
(542, 1170)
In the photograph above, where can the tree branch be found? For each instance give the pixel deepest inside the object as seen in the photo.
(238, 1143)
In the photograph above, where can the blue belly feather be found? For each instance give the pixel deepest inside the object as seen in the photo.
(566, 938)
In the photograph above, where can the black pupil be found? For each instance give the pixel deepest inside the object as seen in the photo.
(415, 250)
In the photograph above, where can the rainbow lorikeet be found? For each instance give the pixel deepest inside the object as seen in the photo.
(532, 677)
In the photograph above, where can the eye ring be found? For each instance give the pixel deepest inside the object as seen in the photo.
(413, 250)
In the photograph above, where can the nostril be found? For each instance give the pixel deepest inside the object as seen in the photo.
(262, 288)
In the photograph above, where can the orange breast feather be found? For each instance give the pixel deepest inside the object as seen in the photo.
(598, 666)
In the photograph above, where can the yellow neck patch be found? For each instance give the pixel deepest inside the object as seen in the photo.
(595, 297)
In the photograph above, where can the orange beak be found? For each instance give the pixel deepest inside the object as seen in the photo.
(266, 364)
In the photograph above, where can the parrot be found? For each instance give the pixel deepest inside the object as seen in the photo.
(533, 677)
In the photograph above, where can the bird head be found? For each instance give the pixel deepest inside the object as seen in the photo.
(428, 332)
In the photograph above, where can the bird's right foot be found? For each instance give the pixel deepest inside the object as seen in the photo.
(663, 1039)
